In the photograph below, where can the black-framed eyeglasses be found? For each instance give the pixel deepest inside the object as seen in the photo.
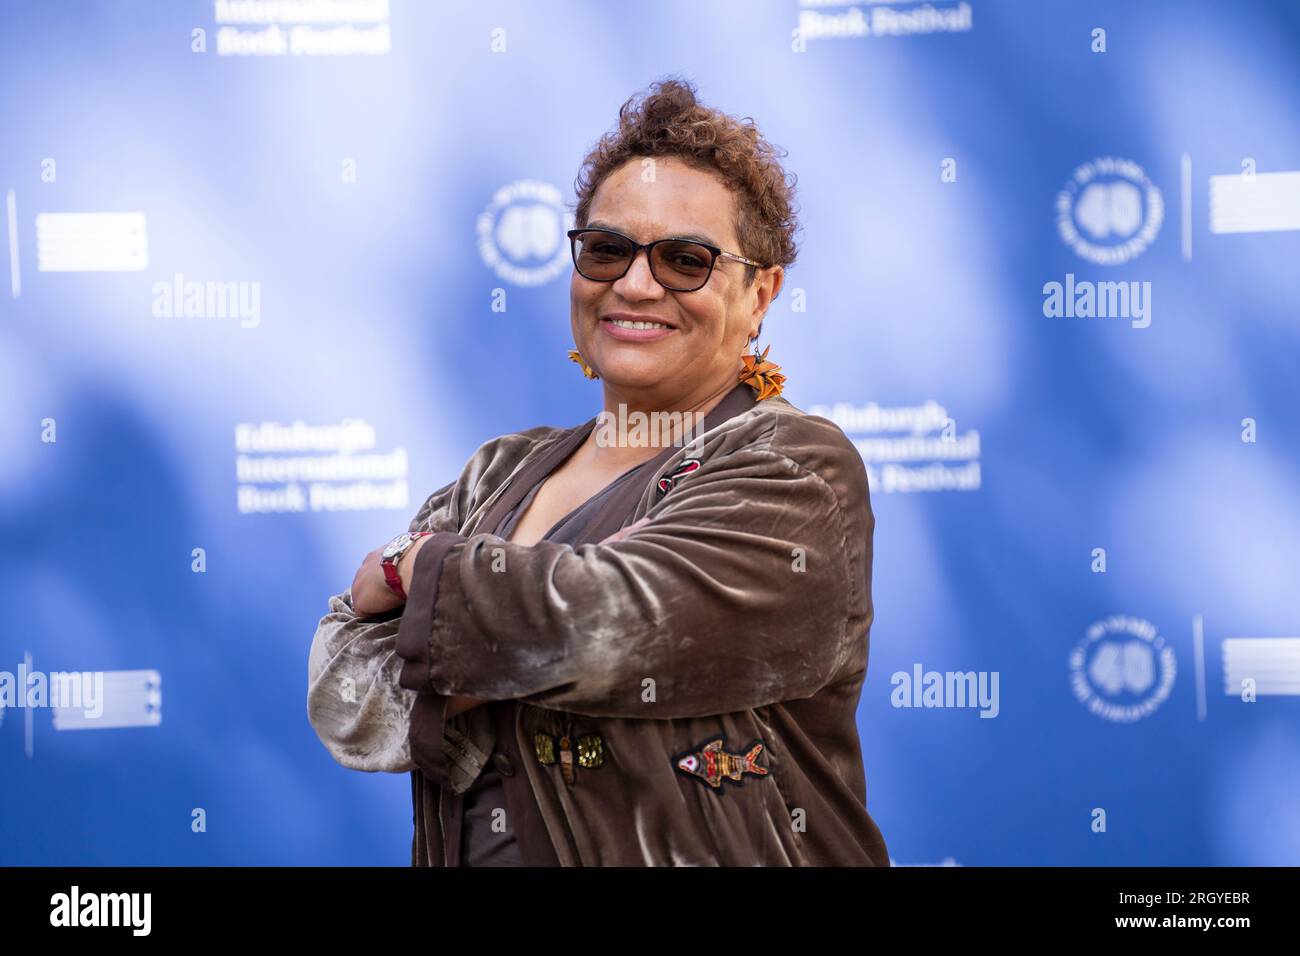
(679, 265)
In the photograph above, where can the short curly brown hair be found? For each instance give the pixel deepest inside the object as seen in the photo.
(670, 121)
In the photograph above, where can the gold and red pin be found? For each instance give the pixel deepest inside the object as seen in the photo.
(586, 750)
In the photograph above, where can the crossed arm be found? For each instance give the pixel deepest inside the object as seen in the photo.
(747, 585)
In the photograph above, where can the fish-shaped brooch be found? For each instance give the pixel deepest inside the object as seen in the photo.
(712, 764)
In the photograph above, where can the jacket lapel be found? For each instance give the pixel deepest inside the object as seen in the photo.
(622, 503)
(523, 480)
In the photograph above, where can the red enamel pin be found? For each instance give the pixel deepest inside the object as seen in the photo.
(687, 466)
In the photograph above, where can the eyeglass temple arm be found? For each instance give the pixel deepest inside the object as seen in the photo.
(748, 262)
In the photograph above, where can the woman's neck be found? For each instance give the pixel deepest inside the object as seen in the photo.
(634, 428)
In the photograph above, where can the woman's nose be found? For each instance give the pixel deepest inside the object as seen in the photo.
(639, 280)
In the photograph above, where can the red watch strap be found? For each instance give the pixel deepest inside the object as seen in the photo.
(393, 579)
(391, 576)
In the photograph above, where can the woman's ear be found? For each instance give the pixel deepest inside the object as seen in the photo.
(777, 280)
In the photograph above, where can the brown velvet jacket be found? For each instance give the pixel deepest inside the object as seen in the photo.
(741, 611)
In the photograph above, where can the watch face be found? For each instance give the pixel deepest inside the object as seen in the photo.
(397, 545)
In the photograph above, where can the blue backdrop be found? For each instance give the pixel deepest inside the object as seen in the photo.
(275, 271)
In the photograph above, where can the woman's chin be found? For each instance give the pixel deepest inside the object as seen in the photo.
(635, 377)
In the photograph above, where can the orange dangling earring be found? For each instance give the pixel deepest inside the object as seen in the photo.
(587, 370)
(761, 375)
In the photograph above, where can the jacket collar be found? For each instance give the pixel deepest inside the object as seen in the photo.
(613, 515)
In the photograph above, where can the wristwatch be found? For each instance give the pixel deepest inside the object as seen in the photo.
(394, 553)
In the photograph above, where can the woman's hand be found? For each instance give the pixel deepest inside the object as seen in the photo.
(371, 594)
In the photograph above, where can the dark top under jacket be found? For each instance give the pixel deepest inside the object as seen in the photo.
(684, 696)
(497, 787)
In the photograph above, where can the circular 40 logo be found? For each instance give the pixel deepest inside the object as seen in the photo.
(521, 234)
(1123, 669)
(1109, 211)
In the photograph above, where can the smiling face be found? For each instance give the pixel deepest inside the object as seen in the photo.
(692, 351)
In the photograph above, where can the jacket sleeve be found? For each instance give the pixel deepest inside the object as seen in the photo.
(354, 700)
(749, 585)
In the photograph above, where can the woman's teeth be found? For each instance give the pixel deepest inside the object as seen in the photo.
(639, 325)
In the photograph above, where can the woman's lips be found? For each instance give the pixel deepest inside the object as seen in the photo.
(636, 335)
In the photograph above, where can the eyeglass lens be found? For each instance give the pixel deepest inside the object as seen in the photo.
(678, 264)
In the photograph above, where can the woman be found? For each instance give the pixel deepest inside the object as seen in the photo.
(600, 649)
